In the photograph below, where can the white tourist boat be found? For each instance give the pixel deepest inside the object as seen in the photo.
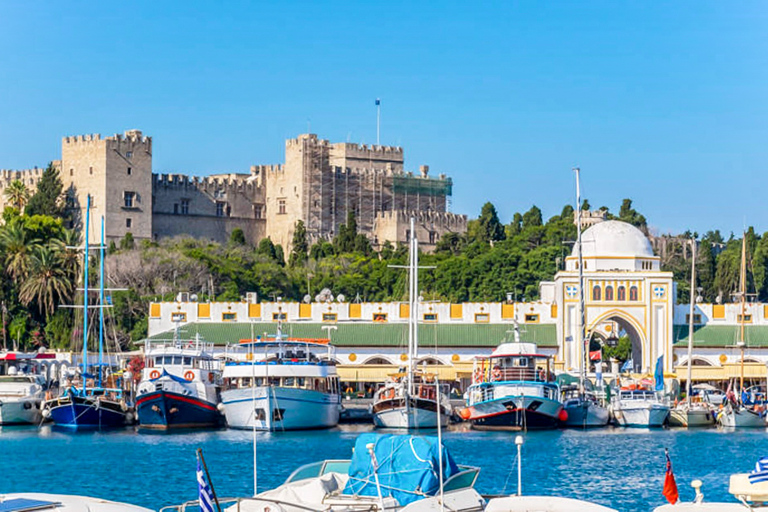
(179, 386)
(412, 398)
(640, 408)
(583, 409)
(514, 389)
(691, 413)
(23, 387)
(281, 384)
(40, 502)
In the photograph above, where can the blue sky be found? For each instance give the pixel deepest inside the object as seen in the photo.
(663, 102)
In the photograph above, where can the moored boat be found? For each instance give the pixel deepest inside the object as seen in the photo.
(179, 386)
(514, 389)
(640, 408)
(23, 387)
(41, 502)
(693, 414)
(281, 384)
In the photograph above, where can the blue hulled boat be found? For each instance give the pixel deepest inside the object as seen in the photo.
(179, 387)
(90, 404)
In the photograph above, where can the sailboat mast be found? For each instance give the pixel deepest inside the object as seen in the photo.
(101, 302)
(582, 319)
(412, 332)
(85, 291)
(690, 319)
(743, 298)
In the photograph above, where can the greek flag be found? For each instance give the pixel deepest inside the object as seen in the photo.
(760, 473)
(627, 366)
(378, 102)
(205, 494)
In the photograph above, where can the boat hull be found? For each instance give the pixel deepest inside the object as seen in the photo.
(421, 414)
(163, 410)
(683, 417)
(87, 413)
(279, 408)
(516, 413)
(585, 414)
(740, 419)
(650, 416)
(20, 411)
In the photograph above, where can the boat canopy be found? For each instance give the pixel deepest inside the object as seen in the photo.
(406, 467)
(515, 349)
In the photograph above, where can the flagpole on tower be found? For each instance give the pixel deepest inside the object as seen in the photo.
(378, 121)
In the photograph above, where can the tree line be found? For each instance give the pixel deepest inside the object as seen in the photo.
(490, 260)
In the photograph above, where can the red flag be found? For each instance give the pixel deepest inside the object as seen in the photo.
(595, 355)
(670, 486)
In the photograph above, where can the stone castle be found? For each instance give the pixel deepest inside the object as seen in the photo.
(319, 184)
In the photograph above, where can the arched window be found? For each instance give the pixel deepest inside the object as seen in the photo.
(621, 294)
(633, 293)
(609, 293)
(596, 293)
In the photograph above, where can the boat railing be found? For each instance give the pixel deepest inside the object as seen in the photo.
(197, 344)
(195, 504)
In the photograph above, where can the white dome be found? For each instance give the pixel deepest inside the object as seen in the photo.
(614, 238)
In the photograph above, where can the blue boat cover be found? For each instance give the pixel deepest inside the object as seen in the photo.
(406, 467)
(25, 504)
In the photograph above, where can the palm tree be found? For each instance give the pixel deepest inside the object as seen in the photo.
(17, 194)
(48, 283)
(68, 253)
(17, 246)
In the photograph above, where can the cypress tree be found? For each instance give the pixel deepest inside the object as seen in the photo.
(47, 198)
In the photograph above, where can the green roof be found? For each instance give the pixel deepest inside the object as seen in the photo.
(722, 335)
(372, 335)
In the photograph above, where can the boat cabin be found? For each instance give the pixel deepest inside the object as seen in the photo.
(514, 362)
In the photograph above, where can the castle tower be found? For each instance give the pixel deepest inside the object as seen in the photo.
(117, 173)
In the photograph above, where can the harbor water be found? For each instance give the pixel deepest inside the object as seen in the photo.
(622, 468)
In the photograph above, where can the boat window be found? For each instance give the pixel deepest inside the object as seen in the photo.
(168, 360)
(187, 361)
(521, 361)
(288, 382)
(176, 359)
(158, 361)
(300, 382)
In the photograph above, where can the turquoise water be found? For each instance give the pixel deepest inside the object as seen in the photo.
(620, 468)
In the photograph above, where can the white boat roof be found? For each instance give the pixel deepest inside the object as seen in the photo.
(516, 349)
(543, 504)
(28, 501)
(248, 369)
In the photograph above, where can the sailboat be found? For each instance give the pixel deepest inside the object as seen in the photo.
(409, 399)
(736, 413)
(583, 409)
(690, 413)
(92, 404)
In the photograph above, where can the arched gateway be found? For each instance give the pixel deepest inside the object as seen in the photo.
(625, 290)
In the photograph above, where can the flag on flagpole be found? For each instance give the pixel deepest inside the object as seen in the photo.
(659, 374)
(670, 486)
(595, 355)
(205, 494)
(760, 473)
(378, 102)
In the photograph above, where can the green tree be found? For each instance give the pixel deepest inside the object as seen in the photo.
(17, 246)
(532, 218)
(345, 240)
(299, 246)
(47, 283)
(631, 216)
(17, 194)
(127, 243)
(237, 237)
(489, 228)
(47, 198)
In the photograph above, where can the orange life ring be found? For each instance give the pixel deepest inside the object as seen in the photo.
(154, 374)
(189, 375)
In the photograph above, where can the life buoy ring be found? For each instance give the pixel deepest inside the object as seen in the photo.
(189, 375)
(154, 374)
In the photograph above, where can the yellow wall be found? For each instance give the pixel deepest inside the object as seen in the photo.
(405, 310)
(204, 310)
(507, 311)
(718, 311)
(305, 310)
(154, 310)
(457, 312)
(355, 311)
(254, 310)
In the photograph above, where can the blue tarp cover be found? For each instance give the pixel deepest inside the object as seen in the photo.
(407, 467)
(25, 504)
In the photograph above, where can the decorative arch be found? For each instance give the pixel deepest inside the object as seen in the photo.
(596, 292)
(429, 361)
(378, 360)
(621, 294)
(752, 359)
(330, 359)
(639, 342)
(698, 361)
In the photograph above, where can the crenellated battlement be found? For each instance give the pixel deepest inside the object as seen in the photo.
(445, 219)
(311, 137)
(267, 169)
(361, 151)
(129, 136)
(229, 182)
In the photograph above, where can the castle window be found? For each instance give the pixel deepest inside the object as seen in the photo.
(219, 209)
(71, 172)
(609, 293)
(258, 211)
(128, 198)
(281, 206)
(175, 208)
(596, 293)
(621, 294)
(379, 317)
(185, 206)
(129, 171)
(129, 154)
(128, 223)
(633, 293)
(90, 170)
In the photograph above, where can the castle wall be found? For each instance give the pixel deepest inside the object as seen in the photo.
(209, 208)
(84, 173)
(430, 227)
(30, 178)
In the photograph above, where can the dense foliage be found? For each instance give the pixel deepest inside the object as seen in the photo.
(489, 261)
